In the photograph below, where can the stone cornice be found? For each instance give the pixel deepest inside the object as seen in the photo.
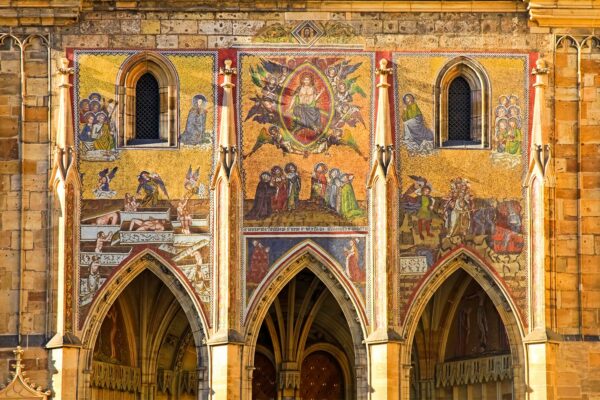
(415, 6)
(543, 13)
(39, 12)
(565, 13)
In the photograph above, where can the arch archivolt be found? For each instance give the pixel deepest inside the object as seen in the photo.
(306, 254)
(495, 289)
(110, 292)
(310, 256)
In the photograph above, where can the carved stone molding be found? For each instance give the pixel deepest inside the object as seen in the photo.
(476, 370)
(116, 377)
(20, 387)
(564, 13)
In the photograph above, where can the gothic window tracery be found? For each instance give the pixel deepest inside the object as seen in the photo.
(147, 86)
(462, 105)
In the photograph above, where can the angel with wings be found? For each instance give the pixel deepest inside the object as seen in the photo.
(192, 184)
(102, 190)
(306, 111)
(150, 184)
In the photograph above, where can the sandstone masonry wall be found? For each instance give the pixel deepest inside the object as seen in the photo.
(574, 257)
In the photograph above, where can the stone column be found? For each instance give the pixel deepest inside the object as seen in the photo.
(384, 342)
(540, 345)
(64, 181)
(226, 342)
(289, 381)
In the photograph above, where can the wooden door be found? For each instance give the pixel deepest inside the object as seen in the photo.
(321, 378)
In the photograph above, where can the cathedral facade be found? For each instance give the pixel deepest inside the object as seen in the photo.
(300, 199)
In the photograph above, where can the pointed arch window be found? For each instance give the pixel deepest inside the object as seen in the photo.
(147, 101)
(147, 109)
(462, 96)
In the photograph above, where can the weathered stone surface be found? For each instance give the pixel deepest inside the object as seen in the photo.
(167, 42)
(9, 149)
(8, 127)
(219, 26)
(572, 132)
(178, 26)
(131, 26)
(243, 28)
(85, 41)
(132, 41)
(192, 41)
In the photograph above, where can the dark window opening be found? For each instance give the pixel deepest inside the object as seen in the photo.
(147, 110)
(459, 112)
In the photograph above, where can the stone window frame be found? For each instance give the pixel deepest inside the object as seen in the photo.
(165, 73)
(474, 73)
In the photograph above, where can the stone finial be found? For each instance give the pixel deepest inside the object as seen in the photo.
(383, 70)
(64, 125)
(383, 73)
(227, 139)
(63, 68)
(383, 129)
(540, 67)
(227, 70)
(20, 384)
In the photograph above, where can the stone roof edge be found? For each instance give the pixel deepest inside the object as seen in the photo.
(565, 13)
(542, 13)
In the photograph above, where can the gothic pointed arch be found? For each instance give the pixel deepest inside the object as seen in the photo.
(293, 262)
(462, 99)
(308, 258)
(491, 285)
(154, 75)
(173, 280)
(182, 305)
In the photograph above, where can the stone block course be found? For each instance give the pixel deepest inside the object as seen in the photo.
(102, 26)
(149, 27)
(178, 26)
(227, 41)
(220, 27)
(390, 27)
(8, 127)
(192, 41)
(86, 41)
(197, 15)
(129, 26)
(132, 41)
(167, 42)
(9, 84)
(9, 149)
(35, 260)
(591, 181)
(243, 28)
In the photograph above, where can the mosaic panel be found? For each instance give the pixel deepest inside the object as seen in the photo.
(469, 198)
(305, 124)
(136, 198)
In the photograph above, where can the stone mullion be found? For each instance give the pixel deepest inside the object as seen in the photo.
(64, 181)
(385, 346)
(34, 162)
(225, 343)
(540, 342)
